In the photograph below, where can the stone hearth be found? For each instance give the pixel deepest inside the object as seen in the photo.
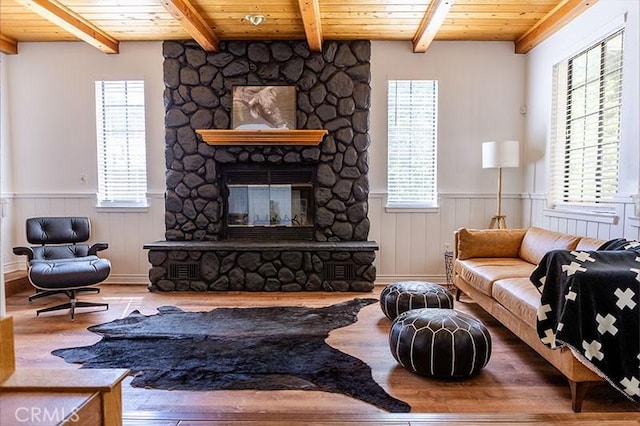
(333, 93)
(262, 266)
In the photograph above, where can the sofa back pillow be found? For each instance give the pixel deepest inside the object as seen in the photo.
(538, 241)
(488, 242)
(588, 244)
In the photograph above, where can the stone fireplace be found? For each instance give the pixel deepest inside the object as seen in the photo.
(273, 216)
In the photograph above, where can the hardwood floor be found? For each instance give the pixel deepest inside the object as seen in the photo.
(517, 386)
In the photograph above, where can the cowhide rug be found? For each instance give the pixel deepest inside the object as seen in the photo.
(271, 348)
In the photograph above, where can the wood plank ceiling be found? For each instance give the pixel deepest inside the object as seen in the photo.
(105, 23)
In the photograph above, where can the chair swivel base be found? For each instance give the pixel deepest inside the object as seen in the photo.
(45, 293)
(72, 305)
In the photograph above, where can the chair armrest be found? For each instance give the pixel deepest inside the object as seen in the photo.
(97, 247)
(23, 251)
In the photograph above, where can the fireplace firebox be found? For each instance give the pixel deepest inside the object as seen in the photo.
(268, 202)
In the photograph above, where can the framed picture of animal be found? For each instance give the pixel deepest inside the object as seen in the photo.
(264, 107)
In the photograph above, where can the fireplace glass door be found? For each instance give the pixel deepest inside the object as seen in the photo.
(269, 205)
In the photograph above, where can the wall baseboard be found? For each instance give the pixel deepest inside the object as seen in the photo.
(14, 267)
(127, 279)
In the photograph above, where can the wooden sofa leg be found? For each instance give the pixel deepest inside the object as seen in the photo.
(458, 294)
(578, 392)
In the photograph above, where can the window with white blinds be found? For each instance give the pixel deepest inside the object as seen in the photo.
(585, 133)
(412, 139)
(122, 165)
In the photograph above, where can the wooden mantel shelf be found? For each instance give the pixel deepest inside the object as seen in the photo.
(262, 137)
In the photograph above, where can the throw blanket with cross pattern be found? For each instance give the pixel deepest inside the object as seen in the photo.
(590, 303)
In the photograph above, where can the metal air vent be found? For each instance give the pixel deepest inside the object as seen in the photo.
(184, 271)
(339, 271)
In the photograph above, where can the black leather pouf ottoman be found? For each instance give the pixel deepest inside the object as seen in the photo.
(441, 343)
(403, 296)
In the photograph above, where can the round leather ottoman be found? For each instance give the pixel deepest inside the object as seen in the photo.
(403, 296)
(442, 343)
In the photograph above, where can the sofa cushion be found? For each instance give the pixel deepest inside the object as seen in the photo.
(67, 275)
(537, 242)
(489, 242)
(519, 296)
(588, 244)
(480, 273)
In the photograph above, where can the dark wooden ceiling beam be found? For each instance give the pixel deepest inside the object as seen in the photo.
(310, 11)
(73, 23)
(430, 24)
(8, 45)
(558, 17)
(193, 22)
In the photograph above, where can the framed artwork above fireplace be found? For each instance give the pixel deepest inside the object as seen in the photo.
(264, 107)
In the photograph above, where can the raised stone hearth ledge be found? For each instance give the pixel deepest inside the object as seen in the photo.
(262, 137)
(262, 266)
(262, 245)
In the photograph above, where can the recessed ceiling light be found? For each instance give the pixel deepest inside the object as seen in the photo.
(255, 19)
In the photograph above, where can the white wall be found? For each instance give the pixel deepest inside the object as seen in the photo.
(594, 23)
(48, 141)
(52, 106)
(481, 91)
(52, 143)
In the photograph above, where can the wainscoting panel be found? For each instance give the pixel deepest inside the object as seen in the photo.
(413, 243)
(9, 262)
(125, 231)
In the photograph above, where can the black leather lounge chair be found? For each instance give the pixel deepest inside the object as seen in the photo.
(59, 264)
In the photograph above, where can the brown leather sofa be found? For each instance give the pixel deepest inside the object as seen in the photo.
(493, 266)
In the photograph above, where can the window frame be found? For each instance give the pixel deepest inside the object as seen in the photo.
(560, 192)
(430, 135)
(134, 135)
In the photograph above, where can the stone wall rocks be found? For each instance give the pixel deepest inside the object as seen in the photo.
(281, 270)
(333, 93)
